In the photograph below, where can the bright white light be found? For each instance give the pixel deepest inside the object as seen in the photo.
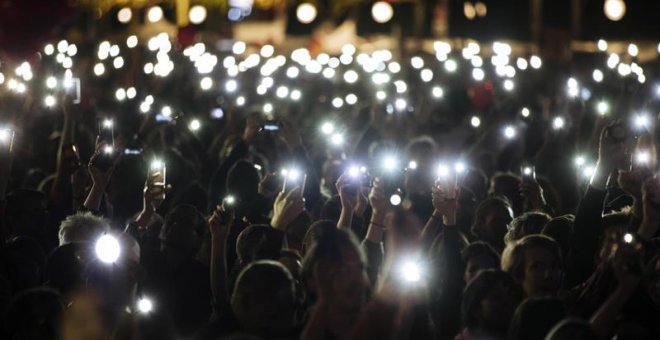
(166, 111)
(351, 76)
(327, 128)
(148, 68)
(588, 171)
(62, 45)
(51, 82)
(240, 101)
(558, 123)
(231, 85)
(292, 72)
(535, 62)
(72, 50)
(268, 108)
(614, 9)
(328, 72)
(194, 125)
(642, 157)
(282, 92)
(229, 199)
(145, 305)
(395, 199)
(602, 107)
(437, 92)
(478, 74)
(411, 271)
(580, 161)
(131, 41)
(306, 13)
(633, 50)
(417, 62)
(475, 121)
(613, 60)
(459, 167)
(426, 75)
(131, 93)
(155, 14)
(381, 95)
(108, 249)
(597, 75)
(602, 45)
(296, 95)
(400, 104)
(2, 78)
(509, 85)
(450, 65)
(642, 120)
(351, 99)
(401, 86)
(49, 101)
(239, 47)
(521, 63)
(5, 135)
(337, 139)
(197, 14)
(394, 67)
(628, 238)
(120, 94)
(49, 49)
(509, 132)
(624, 69)
(124, 15)
(382, 12)
(118, 62)
(337, 102)
(145, 107)
(390, 163)
(206, 83)
(412, 165)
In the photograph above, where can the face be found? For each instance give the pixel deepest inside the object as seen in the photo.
(344, 284)
(495, 225)
(542, 273)
(475, 264)
(497, 308)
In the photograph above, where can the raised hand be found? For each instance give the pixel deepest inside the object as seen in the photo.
(286, 208)
(445, 204)
(220, 221)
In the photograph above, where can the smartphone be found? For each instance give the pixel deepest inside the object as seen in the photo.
(291, 182)
(528, 172)
(448, 183)
(72, 87)
(270, 126)
(72, 157)
(105, 158)
(132, 152)
(157, 173)
(217, 113)
(7, 139)
(107, 131)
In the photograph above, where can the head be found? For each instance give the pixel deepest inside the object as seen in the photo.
(258, 242)
(297, 230)
(478, 256)
(243, 183)
(560, 229)
(507, 185)
(264, 299)
(489, 302)
(317, 229)
(535, 317)
(183, 231)
(475, 180)
(535, 263)
(82, 228)
(334, 268)
(66, 265)
(528, 223)
(573, 329)
(491, 221)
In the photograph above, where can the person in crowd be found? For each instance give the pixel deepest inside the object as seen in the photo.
(535, 263)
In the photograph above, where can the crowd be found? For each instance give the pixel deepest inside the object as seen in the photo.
(258, 196)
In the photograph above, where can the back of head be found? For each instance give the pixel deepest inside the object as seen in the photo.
(315, 230)
(513, 259)
(35, 314)
(264, 297)
(535, 317)
(82, 228)
(571, 329)
(486, 207)
(528, 223)
(258, 242)
(183, 229)
(560, 229)
(66, 265)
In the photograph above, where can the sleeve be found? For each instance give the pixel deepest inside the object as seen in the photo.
(585, 240)
(375, 255)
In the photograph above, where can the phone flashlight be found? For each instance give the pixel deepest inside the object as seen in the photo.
(157, 171)
(145, 305)
(628, 238)
(107, 249)
(411, 271)
(446, 180)
(7, 137)
(106, 132)
(528, 172)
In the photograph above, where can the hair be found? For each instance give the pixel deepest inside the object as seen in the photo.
(479, 181)
(484, 209)
(478, 289)
(571, 329)
(422, 144)
(513, 258)
(329, 246)
(503, 180)
(184, 216)
(82, 228)
(258, 242)
(315, 230)
(479, 248)
(560, 229)
(535, 317)
(528, 223)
